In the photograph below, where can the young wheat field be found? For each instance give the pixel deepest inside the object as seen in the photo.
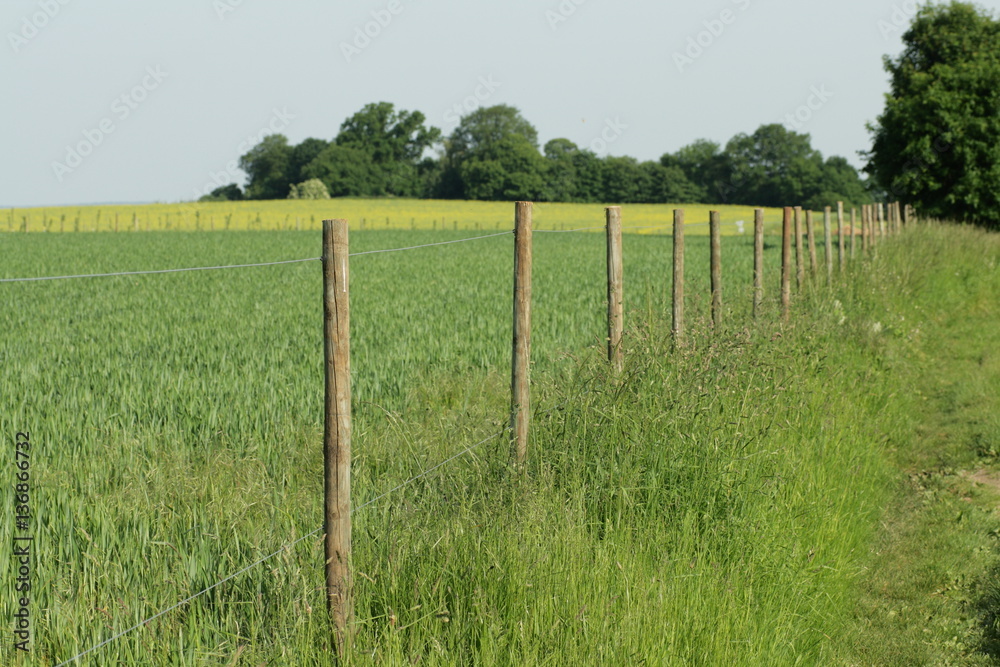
(715, 504)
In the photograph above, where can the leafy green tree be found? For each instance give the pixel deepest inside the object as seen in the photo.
(346, 172)
(486, 126)
(493, 154)
(395, 142)
(560, 181)
(590, 184)
(937, 143)
(704, 165)
(267, 165)
(772, 167)
(839, 182)
(311, 189)
(508, 169)
(623, 180)
(229, 192)
(667, 185)
(303, 154)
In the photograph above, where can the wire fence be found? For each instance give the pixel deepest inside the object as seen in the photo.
(287, 547)
(115, 274)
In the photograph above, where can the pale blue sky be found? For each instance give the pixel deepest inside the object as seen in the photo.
(163, 97)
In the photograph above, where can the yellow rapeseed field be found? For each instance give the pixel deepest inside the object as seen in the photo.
(418, 214)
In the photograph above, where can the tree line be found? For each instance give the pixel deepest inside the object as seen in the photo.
(494, 154)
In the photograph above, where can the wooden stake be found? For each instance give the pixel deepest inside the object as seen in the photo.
(854, 228)
(678, 303)
(616, 313)
(520, 387)
(800, 271)
(865, 228)
(828, 241)
(337, 434)
(811, 242)
(786, 262)
(716, 267)
(880, 212)
(840, 236)
(758, 260)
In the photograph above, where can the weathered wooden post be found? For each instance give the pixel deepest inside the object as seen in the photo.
(828, 245)
(799, 259)
(854, 228)
(786, 262)
(840, 236)
(758, 260)
(811, 242)
(678, 297)
(865, 227)
(520, 390)
(616, 313)
(715, 262)
(337, 434)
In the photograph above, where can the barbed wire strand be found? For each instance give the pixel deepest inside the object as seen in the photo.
(238, 266)
(286, 547)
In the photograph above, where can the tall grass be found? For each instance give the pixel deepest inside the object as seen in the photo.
(712, 505)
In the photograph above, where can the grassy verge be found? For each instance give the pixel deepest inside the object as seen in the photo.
(931, 595)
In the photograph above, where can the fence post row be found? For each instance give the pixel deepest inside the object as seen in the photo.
(714, 221)
(337, 434)
(678, 297)
(616, 314)
(758, 260)
(520, 388)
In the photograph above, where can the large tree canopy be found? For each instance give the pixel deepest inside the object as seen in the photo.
(267, 164)
(937, 143)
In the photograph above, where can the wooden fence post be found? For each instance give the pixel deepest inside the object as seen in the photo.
(865, 227)
(828, 245)
(811, 241)
(616, 313)
(758, 260)
(678, 302)
(337, 434)
(715, 262)
(786, 262)
(840, 236)
(880, 212)
(799, 259)
(520, 400)
(854, 229)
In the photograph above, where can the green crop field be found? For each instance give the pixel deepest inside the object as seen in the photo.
(712, 505)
